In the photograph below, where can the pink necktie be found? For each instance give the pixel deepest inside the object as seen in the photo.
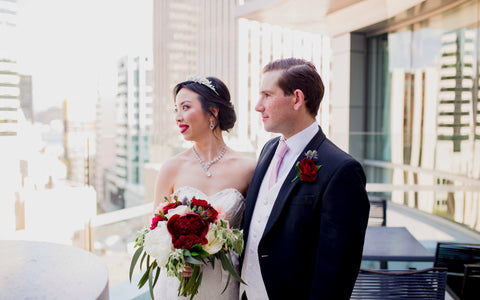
(282, 149)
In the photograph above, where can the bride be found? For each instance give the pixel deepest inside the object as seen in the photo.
(209, 170)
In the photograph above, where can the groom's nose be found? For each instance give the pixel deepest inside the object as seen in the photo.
(259, 106)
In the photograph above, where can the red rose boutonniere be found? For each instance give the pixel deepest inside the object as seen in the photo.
(307, 169)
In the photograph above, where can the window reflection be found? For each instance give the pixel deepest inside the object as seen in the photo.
(423, 112)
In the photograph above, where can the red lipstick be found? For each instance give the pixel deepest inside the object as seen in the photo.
(183, 128)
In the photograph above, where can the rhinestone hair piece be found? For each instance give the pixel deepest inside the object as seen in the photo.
(202, 80)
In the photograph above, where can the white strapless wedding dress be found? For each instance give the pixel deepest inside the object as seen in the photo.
(214, 280)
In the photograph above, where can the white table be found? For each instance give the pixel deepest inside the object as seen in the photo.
(41, 270)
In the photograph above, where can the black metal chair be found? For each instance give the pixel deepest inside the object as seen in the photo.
(404, 284)
(378, 211)
(454, 257)
(471, 283)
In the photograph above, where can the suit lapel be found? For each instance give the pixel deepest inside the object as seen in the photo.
(262, 166)
(288, 185)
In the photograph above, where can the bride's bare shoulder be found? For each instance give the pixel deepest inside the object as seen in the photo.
(244, 161)
(171, 166)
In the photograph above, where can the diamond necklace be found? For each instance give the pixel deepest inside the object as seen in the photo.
(207, 165)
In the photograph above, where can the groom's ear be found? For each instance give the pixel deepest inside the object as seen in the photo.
(298, 99)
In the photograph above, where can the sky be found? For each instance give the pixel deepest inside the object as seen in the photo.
(71, 48)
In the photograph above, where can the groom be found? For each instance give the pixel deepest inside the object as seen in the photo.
(304, 226)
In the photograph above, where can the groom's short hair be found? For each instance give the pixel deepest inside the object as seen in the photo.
(299, 74)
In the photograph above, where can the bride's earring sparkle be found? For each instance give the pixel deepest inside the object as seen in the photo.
(207, 165)
(211, 124)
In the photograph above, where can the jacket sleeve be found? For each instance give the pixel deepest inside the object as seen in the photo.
(343, 221)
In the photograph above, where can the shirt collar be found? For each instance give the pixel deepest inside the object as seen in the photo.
(300, 140)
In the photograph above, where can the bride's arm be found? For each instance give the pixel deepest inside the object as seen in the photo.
(164, 182)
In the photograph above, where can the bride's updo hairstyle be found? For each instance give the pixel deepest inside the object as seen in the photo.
(212, 92)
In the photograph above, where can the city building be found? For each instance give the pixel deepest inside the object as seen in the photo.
(259, 43)
(206, 38)
(133, 128)
(10, 115)
(26, 98)
(9, 77)
(104, 148)
(79, 144)
(175, 55)
(190, 37)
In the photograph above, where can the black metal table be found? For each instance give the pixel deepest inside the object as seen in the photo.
(393, 244)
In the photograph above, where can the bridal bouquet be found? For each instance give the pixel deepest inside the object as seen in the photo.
(191, 232)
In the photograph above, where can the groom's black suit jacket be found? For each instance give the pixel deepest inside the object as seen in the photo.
(313, 241)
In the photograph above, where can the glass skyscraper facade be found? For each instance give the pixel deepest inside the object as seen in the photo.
(421, 136)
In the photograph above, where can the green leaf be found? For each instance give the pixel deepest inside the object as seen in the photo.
(295, 178)
(144, 278)
(197, 251)
(196, 247)
(150, 278)
(198, 281)
(191, 281)
(226, 285)
(227, 265)
(134, 261)
(156, 276)
(212, 261)
(192, 260)
(141, 261)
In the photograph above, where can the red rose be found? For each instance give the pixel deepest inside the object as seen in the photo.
(187, 241)
(308, 170)
(210, 214)
(167, 207)
(199, 202)
(185, 225)
(155, 221)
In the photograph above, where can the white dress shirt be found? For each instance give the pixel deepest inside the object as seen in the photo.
(251, 273)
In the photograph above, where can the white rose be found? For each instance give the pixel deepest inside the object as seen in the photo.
(214, 243)
(158, 244)
(179, 210)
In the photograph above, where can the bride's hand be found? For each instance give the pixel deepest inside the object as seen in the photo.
(187, 272)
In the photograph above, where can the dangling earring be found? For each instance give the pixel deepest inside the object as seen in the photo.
(211, 124)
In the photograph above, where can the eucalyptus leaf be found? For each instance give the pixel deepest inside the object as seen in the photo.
(156, 276)
(192, 260)
(150, 279)
(198, 281)
(134, 261)
(191, 281)
(228, 282)
(141, 261)
(227, 265)
(144, 278)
